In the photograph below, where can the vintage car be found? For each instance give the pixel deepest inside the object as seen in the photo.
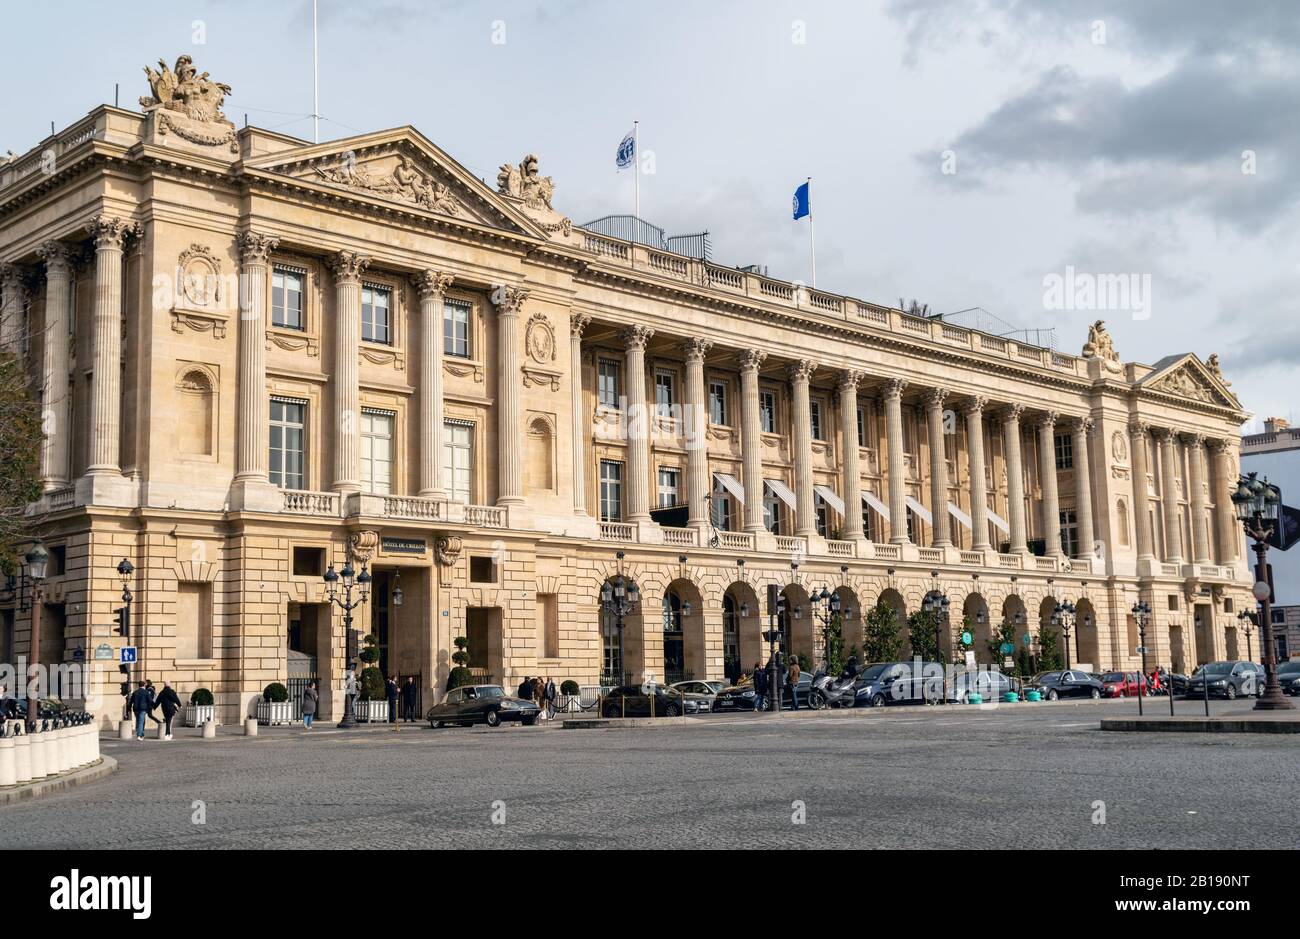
(481, 704)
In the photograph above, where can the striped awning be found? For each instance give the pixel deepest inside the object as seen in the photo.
(732, 485)
(830, 498)
(921, 511)
(959, 515)
(998, 522)
(781, 491)
(870, 499)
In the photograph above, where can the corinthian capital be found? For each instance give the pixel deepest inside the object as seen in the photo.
(893, 388)
(849, 380)
(11, 277)
(1047, 419)
(695, 348)
(110, 232)
(348, 266)
(57, 257)
(1011, 413)
(935, 397)
(751, 360)
(974, 405)
(430, 285)
(509, 300)
(578, 323)
(1138, 428)
(635, 337)
(1082, 425)
(254, 247)
(801, 371)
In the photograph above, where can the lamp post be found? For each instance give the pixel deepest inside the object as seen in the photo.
(1063, 616)
(1247, 621)
(825, 606)
(351, 580)
(1257, 503)
(936, 604)
(1140, 614)
(37, 561)
(619, 598)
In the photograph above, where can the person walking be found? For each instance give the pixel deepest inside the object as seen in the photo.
(409, 693)
(549, 695)
(794, 683)
(140, 704)
(538, 687)
(170, 704)
(310, 697)
(760, 687)
(525, 689)
(392, 688)
(153, 700)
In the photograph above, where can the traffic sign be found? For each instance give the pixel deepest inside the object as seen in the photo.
(965, 638)
(1007, 648)
(1142, 650)
(127, 655)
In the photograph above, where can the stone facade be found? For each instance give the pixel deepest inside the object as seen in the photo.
(463, 372)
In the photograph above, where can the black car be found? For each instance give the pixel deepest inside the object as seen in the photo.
(1227, 680)
(658, 701)
(882, 683)
(1288, 676)
(481, 704)
(736, 698)
(1066, 684)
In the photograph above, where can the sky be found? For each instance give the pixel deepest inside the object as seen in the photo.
(964, 153)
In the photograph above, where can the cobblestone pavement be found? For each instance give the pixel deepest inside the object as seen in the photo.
(1026, 776)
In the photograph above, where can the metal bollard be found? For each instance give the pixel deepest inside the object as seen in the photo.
(250, 727)
(209, 730)
(8, 772)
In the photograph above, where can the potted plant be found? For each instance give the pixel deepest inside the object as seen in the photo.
(570, 692)
(372, 698)
(201, 708)
(460, 675)
(275, 706)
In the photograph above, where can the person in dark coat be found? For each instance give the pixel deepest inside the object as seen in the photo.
(310, 697)
(525, 689)
(141, 701)
(409, 692)
(392, 688)
(760, 687)
(153, 700)
(170, 704)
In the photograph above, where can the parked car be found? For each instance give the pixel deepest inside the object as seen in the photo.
(701, 692)
(1288, 676)
(884, 683)
(1176, 683)
(1123, 684)
(481, 704)
(1065, 684)
(989, 685)
(735, 698)
(632, 701)
(1227, 680)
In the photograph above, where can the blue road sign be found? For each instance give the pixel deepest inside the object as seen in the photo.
(128, 655)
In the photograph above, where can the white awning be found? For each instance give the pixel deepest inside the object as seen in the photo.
(959, 515)
(830, 498)
(998, 522)
(732, 485)
(870, 499)
(781, 491)
(921, 511)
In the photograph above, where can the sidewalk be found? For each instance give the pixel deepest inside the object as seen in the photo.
(1246, 721)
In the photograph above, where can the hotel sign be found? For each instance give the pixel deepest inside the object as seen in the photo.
(403, 545)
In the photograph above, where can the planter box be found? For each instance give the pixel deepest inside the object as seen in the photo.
(270, 713)
(196, 715)
(371, 712)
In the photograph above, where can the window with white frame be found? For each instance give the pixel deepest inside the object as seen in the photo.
(668, 486)
(862, 427)
(815, 419)
(611, 491)
(286, 297)
(376, 451)
(723, 509)
(823, 516)
(1070, 534)
(608, 383)
(771, 511)
(718, 403)
(1064, 451)
(456, 316)
(288, 443)
(866, 523)
(458, 460)
(767, 411)
(665, 393)
(376, 316)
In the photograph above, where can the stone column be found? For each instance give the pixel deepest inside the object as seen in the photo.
(1015, 479)
(1083, 486)
(1169, 494)
(801, 442)
(850, 480)
(1225, 483)
(1196, 496)
(695, 425)
(55, 397)
(1047, 481)
(431, 286)
(979, 501)
(104, 454)
(577, 323)
(1137, 436)
(510, 470)
(11, 308)
(639, 422)
(751, 443)
(938, 468)
(348, 267)
(251, 444)
(893, 394)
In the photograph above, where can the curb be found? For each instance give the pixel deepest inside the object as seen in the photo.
(95, 771)
(1183, 725)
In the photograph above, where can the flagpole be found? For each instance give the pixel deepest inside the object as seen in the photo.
(636, 168)
(812, 237)
(315, 80)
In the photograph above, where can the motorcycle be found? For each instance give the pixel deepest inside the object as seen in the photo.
(834, 692)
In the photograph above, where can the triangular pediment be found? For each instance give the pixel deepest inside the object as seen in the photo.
(1186, 376)
(404, 167)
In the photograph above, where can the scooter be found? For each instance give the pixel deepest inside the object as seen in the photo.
(835, 692)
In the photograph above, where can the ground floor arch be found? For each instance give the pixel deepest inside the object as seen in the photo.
(1087, 644)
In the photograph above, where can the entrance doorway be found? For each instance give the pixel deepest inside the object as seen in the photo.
(483, 643)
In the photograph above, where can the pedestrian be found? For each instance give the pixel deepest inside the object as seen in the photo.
(392, 687)
(760, 687)
(525, 689)
(309, 698)
(170, 704)
(140, 704)
(538, 688)
(550, 693)
(794, 683)
(409, 692)
(153, 700)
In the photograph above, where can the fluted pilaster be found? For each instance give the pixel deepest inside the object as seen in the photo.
(751, 443)
(1137, 435)
(1015, 479)
(348, 266)
(1080, 431)
(695, 423)
(893, 396)
(510, 472)
(578, 322)
(110, 236)
(938, 468)
(1196, 496)
(801, 440)
(251, 445)
(12, 296)
(1047, 482)
(55, 449)
(431, 287)
(1224, 476)
(979, 505)
(1169, 495)
(850, 478)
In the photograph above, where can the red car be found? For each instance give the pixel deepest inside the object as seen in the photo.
(1123, 684)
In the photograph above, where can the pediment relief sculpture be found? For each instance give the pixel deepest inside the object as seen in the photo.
(397, 178)
(1184, 384)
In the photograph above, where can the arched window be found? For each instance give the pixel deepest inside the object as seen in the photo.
(1121, 521)
(730, 637)
(539, 456)
(196, 417)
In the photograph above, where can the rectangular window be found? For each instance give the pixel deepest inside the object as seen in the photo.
(1064, 451)
(482, 570)
(771, 511)
(286, 298)
(376, 452)
(767, 412)
(815, 419)
(608, 386)
(718, 403)
(1070, 534)
(668, 478)
(866, 523)
(862, 427)
(548, 626)
(611, 491)
(307, 562)
(193, 621)
(723, 512)
(376, 325)
(288, 440)
(665, 394)
(823, 526)
(455, 328)
(458, 460)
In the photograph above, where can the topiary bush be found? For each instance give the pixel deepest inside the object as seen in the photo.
(372, 685)
(460, 656)
(570, 687)
(459, 676)
(370, 654)
(275, 693)
(201, 697)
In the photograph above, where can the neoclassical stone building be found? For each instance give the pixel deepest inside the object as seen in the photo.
(259, 356)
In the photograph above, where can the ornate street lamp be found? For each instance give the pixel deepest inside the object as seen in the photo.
(1257, 504)
(825, 606)
(350, 580)
(936, 603)
(619, 598)
(38, 560)
(1063, 616)
(1141, 613)
(1247, 621)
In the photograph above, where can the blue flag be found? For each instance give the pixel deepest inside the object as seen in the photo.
(627, 151)
(802, 205)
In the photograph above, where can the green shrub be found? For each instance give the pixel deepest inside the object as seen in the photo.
(201, 697)
(570, 687)
(275, 693)
(460, 656)
(373, 687)
(370, 654)
(458, 677)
